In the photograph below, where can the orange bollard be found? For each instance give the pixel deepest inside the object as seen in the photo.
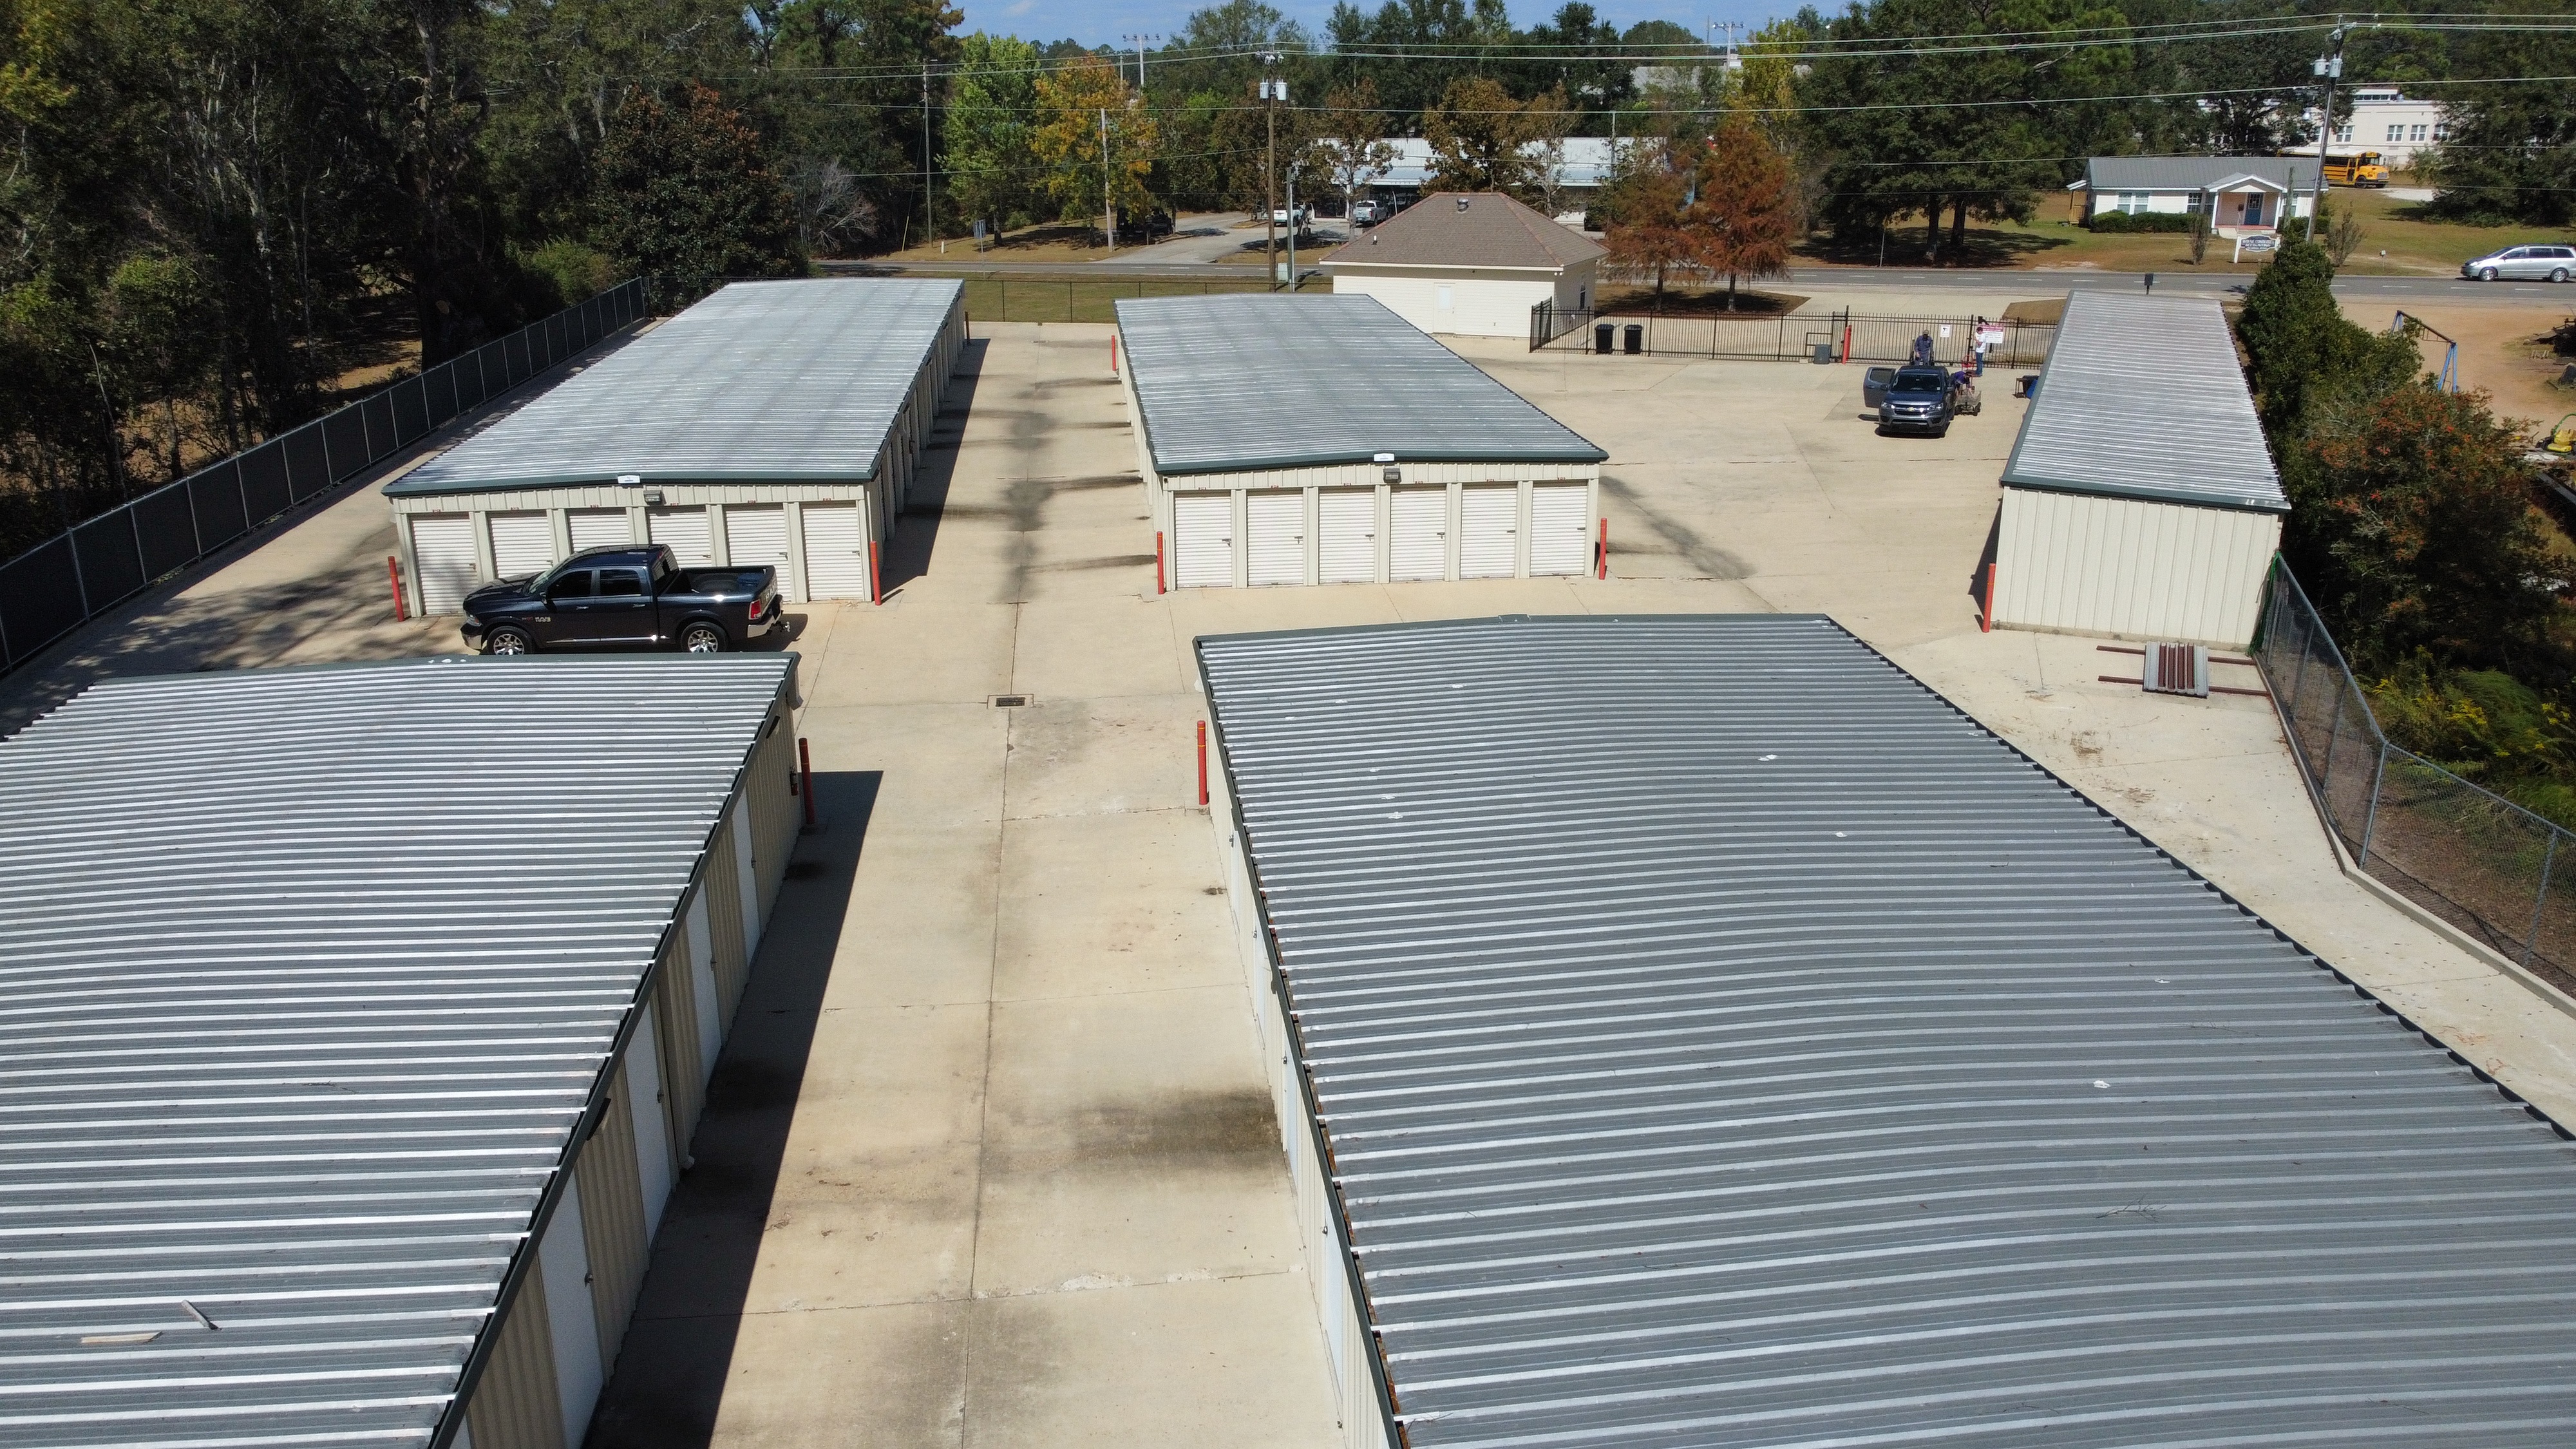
(393, 572)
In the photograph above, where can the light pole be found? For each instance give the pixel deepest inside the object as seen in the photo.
(1138, 41)
(1292, 224)
(929, 218)
(2329, 66)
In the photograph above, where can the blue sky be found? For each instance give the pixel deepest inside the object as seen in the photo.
(1096, 22)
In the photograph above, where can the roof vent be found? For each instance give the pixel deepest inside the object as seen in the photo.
(1462, 203)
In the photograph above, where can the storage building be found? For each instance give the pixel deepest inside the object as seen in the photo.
(1469, 263)
(1325, 440)
(1747, 1049)
(774, 423)
(2139, 501)
(359, 1020)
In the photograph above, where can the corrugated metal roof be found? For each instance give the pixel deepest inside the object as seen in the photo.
(2194, 173)
(795, 381)
(309, 974)
(2142, 397)
(1726, 1042)
(1233, 383)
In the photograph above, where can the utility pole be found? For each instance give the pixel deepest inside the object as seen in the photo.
(1108, 208)
(1138, 41)
(1272, 93)
(2329, 66)
(1292, 226)
(929, 218)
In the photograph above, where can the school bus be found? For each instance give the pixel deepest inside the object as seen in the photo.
(2362, 168)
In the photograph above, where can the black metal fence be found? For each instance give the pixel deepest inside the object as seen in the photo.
(58, 585)
(1843, 336)
(2498, 872)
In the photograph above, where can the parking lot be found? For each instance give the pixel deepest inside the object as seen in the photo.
(989, 1158)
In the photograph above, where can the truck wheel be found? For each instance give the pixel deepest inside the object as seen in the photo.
(702, 639)
(505, 641)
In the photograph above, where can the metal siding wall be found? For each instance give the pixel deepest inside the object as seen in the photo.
(723, 884)
(515, 1404)
(612, 1217)
(675, 1016)
(774, 819)
(571, 1315)
(1347, 1340)
(2130, 567)
(657, 1168)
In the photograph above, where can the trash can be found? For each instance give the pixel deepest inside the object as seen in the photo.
(1601, 337)
(1636, 338)
(2029, 385)
(1825, 353)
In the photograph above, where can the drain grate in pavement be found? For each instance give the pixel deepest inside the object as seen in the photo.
(1011, 701)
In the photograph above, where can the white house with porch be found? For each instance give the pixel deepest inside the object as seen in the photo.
(2241, 195)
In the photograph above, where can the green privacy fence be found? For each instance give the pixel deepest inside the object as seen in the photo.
(2498, 872)
(62, 583)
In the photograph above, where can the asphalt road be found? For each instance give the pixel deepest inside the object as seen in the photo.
(1986, 280)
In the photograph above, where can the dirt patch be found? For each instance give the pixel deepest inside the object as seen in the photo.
(2504, 351)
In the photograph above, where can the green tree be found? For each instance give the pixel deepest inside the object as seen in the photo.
(1351, 142)
(1098, 141)
(2303, 355)
(992, 103)
(686, 196)
(1478, 134)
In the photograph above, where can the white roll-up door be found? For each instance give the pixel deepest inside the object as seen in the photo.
(564, 1257)
(756, 534)
(1420, 546)
(1202, 540)
(522, 543)
(684, 532)
(1347, 549)
(1560, 529)
(442, 554)
(652, 1129)
(836, 552)
(1277, 523)
(599, 528)
(1489, 521)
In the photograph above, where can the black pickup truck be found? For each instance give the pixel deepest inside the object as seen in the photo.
(624, 598)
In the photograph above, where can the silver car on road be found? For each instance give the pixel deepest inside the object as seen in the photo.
(2538, 263)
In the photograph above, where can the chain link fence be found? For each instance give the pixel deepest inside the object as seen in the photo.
(62, 583)
(2495, 870)
(1782, 336)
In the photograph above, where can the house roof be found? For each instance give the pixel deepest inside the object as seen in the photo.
(1723, 1040)
(2142, 397)
(291, 1066)
(2195, 173)
(1468, 229)
(1236, 383)
(792, 381)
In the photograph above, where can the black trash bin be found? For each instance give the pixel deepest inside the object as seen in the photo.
(1601, 338)
(1636, 338)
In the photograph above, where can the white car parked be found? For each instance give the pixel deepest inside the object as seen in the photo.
(2523, 264)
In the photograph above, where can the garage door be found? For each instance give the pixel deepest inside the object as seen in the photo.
(1202, 540)
(442, 551)
(1420, 546)
(1489, 520)
(684, 531)
(522, 543)
(599, 528)
(1348, 548)
(836, 552)
(757, 535)
(1560, 529)
(1277, 522)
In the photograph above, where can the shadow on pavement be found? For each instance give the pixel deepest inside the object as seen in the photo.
(916, 534)
(670, 1374)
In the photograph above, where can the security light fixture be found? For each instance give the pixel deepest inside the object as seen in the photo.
(653, 498)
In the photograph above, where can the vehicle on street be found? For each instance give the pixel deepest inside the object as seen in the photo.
(1366, 213)
(2536, 263)
(624, 598)
(1918, 399)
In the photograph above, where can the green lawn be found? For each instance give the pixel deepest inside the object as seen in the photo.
(2397, 239)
